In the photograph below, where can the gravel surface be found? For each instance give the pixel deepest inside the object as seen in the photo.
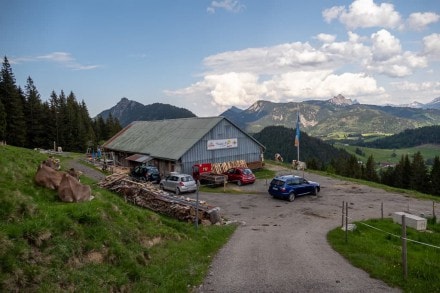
(281, 246)
(90, 172)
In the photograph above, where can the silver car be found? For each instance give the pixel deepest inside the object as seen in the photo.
(178, 183)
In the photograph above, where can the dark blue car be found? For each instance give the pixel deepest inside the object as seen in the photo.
(290, 186)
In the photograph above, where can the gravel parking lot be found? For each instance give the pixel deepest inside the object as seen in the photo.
(281, 246)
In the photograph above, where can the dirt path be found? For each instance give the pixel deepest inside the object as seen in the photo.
(86, 170)
(281, 246)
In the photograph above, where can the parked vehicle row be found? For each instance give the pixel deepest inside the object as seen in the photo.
(284, 187)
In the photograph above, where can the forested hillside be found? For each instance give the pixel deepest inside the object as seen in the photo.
(315, 152)
(27, 121)
(407, 138)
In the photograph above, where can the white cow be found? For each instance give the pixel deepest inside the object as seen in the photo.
(299, 165)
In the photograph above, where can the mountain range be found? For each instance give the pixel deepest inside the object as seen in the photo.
(334, 118)
(328, 119)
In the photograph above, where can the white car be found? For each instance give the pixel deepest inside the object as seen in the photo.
(178, 183)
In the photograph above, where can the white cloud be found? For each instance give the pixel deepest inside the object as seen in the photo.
(364, 13)
(228, 5)
(431, 46)
(419, 21)
(384, 46)
(423, 92)
(267, 60)
(326, 38)
(63, 58)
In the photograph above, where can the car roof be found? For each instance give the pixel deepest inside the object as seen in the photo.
(285, 177)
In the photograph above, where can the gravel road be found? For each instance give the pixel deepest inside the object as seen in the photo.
(281, 246)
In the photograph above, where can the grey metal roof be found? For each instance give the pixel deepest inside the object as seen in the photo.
(169, 139)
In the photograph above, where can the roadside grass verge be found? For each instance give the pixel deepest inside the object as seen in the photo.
(104, 245)
(380, 253)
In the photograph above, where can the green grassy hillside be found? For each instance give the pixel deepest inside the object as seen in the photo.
(104, 245)
(392, 155)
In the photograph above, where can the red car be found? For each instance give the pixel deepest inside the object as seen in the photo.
(240, 175)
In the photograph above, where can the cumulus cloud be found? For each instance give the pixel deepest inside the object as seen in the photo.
(62, 58)
(419, 21)
(431, 46)
(385, 45)
(267, 60)
(228, 5)
(363, 14)
(423, 92)
(326, 38)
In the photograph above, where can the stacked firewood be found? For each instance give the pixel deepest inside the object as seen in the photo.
(151, 197)
(220, 168)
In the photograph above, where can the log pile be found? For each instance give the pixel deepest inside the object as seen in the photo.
(151, 197)
(220, 168)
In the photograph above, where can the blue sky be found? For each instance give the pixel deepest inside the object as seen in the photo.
(207, 55)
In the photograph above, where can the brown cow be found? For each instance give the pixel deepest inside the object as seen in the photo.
(53, 163)
(70, 190)
(76, 174)
(48, 177)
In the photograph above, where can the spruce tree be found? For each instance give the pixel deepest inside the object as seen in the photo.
(33, 115)
(2, 122)
(370, 170)
(12, 102)
(419, 179)
(435, 176)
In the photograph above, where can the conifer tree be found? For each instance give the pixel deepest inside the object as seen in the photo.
(419, 179)
(2, 122)
(10, 97)
(435, 176)
(370, 170)
(33, 116)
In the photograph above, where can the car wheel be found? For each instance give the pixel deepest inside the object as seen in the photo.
(177, 191)
(143, 179)
(161, 187)
(239, 183)
(292, 196)
(315, 191)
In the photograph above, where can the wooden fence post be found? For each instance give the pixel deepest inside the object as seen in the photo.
(343, 213)
(346, 222)
(404, 249)
(381, 209)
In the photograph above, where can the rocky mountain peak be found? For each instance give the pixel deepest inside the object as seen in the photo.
(340, 100)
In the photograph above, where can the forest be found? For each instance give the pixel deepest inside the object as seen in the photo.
(27, 121)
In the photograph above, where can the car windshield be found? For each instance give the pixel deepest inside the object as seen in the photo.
(247, 171)
(277, 182)
(186, 179)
